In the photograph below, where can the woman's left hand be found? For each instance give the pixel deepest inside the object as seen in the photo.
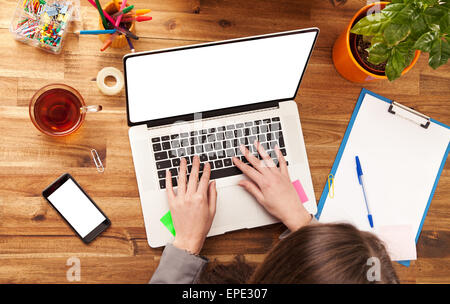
(193, 207)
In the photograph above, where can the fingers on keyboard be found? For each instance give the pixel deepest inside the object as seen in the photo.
(216, 146)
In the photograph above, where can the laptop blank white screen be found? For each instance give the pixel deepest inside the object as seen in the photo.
(207, 78)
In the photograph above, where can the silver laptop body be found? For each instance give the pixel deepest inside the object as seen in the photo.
(206, 100)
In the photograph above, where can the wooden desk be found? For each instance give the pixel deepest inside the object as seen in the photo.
(34, 241)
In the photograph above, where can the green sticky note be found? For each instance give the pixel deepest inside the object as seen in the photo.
(167, 221)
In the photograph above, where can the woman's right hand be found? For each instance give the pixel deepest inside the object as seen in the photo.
(272, 187)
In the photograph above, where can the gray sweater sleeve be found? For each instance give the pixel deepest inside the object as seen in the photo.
(178, 266)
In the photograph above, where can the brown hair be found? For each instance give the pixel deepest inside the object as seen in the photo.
(319, 253)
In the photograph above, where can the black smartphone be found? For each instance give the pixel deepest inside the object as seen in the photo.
(76, 208)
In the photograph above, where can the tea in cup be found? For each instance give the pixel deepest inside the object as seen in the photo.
(58, 110)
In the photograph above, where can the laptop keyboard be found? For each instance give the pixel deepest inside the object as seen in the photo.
(216, 146)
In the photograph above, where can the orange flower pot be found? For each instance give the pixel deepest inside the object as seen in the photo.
(120, 41)
(344, 61)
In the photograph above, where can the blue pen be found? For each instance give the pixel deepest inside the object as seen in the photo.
(361, 182)
(97, 32)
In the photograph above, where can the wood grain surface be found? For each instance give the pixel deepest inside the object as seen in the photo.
(35, 243)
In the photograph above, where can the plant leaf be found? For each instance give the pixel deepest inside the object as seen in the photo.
(395, 64)
(391, 10)
(378, 53)
(406, 15)
(370, 25)
(406, 48)
(444, 23)
(400, 57)
(377, 39)
(445, 3)
(425, 42)
(430, 2)
(439, 53)
(418, 27)
(395, 33)
(433, 15)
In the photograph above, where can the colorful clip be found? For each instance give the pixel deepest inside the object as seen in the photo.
(97, 161)
(330, 185)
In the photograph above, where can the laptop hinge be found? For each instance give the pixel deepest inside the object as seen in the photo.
(209, 115)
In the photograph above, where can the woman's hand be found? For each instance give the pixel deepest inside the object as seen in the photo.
(272, 187)
(193, 207)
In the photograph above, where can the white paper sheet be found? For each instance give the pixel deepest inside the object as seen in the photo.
(399, 240)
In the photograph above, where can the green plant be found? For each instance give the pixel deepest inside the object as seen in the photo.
(403, 27)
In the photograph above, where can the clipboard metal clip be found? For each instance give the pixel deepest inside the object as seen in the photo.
(409, 113)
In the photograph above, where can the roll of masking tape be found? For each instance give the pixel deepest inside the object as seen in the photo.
(106, 89)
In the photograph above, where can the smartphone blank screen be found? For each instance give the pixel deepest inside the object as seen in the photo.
(76, 208)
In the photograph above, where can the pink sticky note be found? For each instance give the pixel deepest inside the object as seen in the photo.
(300, 191)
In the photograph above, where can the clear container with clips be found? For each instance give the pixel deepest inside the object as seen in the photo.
(42, 23)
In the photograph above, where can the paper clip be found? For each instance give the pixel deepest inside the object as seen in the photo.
(97, 160)
(330, 185)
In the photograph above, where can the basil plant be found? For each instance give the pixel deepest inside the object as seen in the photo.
(403, 27)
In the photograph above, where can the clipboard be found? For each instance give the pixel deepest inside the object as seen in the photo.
(393, 142)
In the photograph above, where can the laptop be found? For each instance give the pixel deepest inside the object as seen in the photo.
(207, 100)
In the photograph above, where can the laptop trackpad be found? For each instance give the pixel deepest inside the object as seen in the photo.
(237, 209)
